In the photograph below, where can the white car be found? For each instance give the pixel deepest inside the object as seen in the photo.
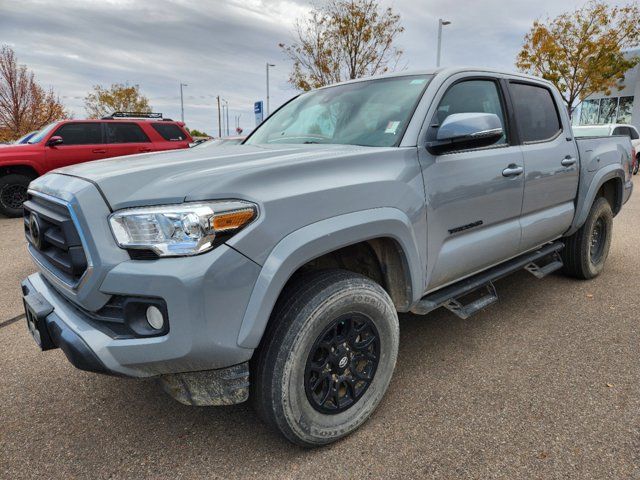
(610, 129)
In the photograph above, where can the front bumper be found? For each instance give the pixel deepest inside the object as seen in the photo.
(206, 297)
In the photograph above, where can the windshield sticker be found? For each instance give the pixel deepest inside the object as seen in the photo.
(417, 81)
(392, 127)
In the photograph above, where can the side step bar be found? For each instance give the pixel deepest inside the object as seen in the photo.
(450, 296)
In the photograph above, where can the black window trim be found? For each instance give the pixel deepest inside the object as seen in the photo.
(505, 102)
(75, 122)
(106, 125)
(555, 105)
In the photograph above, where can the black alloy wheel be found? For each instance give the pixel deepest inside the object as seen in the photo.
(342, 363)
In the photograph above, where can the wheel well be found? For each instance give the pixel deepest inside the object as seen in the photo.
(19, 170)
(380, 259)
(611, 190)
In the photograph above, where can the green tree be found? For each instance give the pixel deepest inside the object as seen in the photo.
(343, 40)
(582, 52)
(118, 98)
(197, 133)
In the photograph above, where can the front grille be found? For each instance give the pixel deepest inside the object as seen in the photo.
(53, 238)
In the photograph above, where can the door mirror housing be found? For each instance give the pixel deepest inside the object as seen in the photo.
(466, 130)
(55, 140)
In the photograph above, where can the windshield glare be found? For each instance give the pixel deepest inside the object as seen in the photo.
(370, 113)
(37, 138)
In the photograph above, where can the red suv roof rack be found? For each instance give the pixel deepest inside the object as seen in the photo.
(147, 115)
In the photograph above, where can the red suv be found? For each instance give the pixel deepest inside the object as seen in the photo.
(73, 141)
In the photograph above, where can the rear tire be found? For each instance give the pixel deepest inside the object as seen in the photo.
(13, 193)
(637, 166)
(326, 358)
(586, 251)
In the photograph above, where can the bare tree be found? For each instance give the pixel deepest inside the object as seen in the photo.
(343, 40)
(24, 105)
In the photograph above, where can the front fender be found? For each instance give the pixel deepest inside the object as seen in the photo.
(315, 240)
(586, 198)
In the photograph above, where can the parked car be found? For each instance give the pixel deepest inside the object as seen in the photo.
(274, 271)
(74, 141)
(609, 129)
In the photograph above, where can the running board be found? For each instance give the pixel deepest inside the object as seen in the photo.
(554, 262)
(450, 296)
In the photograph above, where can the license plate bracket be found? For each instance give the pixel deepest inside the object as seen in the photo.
(36, 309)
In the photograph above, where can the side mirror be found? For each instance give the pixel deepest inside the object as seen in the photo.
(55, 140)
(466, 130)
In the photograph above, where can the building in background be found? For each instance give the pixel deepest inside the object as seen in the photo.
(619, 107)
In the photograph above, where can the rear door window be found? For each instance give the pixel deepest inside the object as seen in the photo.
(169, 131)
(80, 133)
(125, 133)
(535, 112)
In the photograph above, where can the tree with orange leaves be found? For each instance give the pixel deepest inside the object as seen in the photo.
(24, 105)
(343, 40)
(582, 52)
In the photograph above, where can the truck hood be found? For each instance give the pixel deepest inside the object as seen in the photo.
(201, 173)
(12, 148)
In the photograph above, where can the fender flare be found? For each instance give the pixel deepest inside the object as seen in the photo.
(607, 173)
(316, 239)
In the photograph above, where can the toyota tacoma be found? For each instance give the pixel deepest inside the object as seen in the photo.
(273, 271)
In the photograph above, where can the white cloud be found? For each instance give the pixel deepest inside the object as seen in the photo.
(219, 47)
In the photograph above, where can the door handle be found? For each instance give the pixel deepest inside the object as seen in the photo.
(145, 149)
(568, 161)
(512, 171)
(99, 150)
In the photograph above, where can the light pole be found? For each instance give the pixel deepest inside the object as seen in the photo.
(225, 115)
(268, 65)
(182, 101)
(441, 23)
(219, 124)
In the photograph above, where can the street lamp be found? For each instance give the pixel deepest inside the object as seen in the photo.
(268, 65)
(441, 23)
(182, 101)
(225, 115)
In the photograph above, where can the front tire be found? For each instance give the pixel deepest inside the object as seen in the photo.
(637, 165)
(13, 193)
(586, 251)
(327, 357)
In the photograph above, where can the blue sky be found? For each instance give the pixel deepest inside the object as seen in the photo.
(219, 47)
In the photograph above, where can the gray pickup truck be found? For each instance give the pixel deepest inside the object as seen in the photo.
(275, 270)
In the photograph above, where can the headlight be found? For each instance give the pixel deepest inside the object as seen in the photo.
(177, 230)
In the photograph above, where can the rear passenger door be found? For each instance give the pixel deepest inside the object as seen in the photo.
(550, 162)
(81, 142)
(124, 138)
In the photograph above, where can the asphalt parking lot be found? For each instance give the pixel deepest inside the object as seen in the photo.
(544, 384)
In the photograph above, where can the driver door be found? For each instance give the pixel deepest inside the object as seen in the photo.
(81, 142)
(474, 200)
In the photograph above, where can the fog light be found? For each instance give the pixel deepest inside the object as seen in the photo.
(155, 318)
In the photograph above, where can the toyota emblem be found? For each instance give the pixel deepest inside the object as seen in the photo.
(35, 231)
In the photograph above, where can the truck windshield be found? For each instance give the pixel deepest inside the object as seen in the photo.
(370, 113)
(37, 138)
